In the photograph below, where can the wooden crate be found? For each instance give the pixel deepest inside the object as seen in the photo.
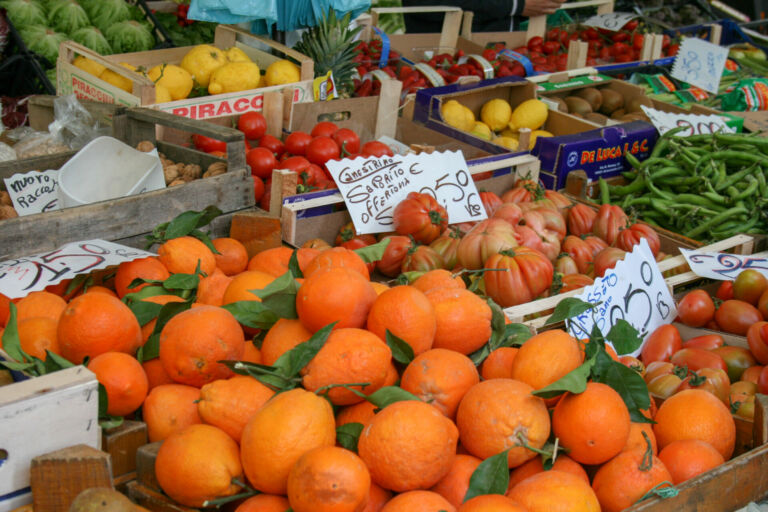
(126, 220)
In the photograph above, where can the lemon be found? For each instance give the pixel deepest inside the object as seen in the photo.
(482, 130)
(130, 66)
(282, 72)
(496, 114)
(119, 81)
(235, 76)
(510, 133)
(507, 142)
(235, 54)
(539, 133)
(529, 114)
(174, 78)
(458, 116)
(201, 61)
(162, 94)
(88, 65)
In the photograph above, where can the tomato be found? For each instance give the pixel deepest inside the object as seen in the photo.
(266, 197)
(420, 216)
(713, 380)
(486, 238)
(253, 125)
(637, 41)
(553, 34)
(581, 253)
(725, 291)
(696, 308)
(657, 368)
(421, 258)
(762, 305)
(628, 238)
(749, 285)
(447, 246)
(757, 338)
(736, 316)
(665, 386)
(296, 143)
(347, 140)
(348, 232)
(490, 201)
(221, 154)
(630, 25)
(696, 359)
(633, 363)
(762, 381)
(607, 259)
(258, 188)
(566, 265)
(551, 47)
(610, 219)
(324, 129)
(597, 244)
(208, 144)
(392, 259)
(575, 282)
(273, 144)
(261, 161)
(524, 275)
(672, 50)
(661, 344)
(376, 148)
(752, 374)
(705, 342)
(296, 164)
(322, 149)
(534, 43)
(314, 176)
(737, 359)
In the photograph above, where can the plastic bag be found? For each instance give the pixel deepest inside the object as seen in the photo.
(36, 143)
(6, 152)
(233, 11)
(73, 125)
(746, 95)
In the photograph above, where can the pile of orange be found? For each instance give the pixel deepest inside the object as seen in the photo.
(222, 431)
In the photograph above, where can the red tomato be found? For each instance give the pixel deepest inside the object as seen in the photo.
(762, 381)
(266, 197)
(322, 149)
(696, 359)
(208, 144)
(737, 359)
(696, 308)
(630, 25)
(273, 144)
(220, 154)
(551, 47)
(736, 316)
(390, 262)
(633, 363)
(607, 259)
(725, 291)
(656, 369)
(534, 43)
(661, 344)
(347, 140)
(261, 161)
(713, 380)
(324, 129)
(258, 188)
(757, 338)
(420, 216)
(637, 41)
(705, 342)
(665, 385)
(762, 305)
(421, 258)
(749, 285)
(672, 50)
(376, 148)
(296, 164)
(312, 175)
(296, 143)
(253, 125)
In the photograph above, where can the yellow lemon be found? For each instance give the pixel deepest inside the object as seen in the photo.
(282, 72)
(458, 116)
(529, 114)
(120, 81)
(129, 66)
(235, 54)
(201, 61)
(482, 130)
(235, 76)
(510, 133)
(507, 142)
(496, 114)
(539, 133)
(88, 65)
(174, 78)
(469, 119)
(162, 94)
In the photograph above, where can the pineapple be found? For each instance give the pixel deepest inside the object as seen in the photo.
(331, 45)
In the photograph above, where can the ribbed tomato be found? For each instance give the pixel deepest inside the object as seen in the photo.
(607, 259)
(580, 251)
(421, 258)
(510, 212)
(597, 244)
(483, 240)
(490, 201)
(565, 264)
(580, 219)
(523, 276)
(628, 238)
(610, 219)
(574, 282)
(420, 216)
(447, 246)
(559, 200)
(392, 259)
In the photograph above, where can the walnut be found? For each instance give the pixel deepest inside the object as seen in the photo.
(177, 181)
(165, 162)
(215, 169)
(7, 212)
(192, 171)
(161, 155)
(145, 146)
(5, 198)
(171, 172)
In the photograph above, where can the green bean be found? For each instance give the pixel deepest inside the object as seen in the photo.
(663, 172)
(749, 190)
(714, 221)
(634, 162)
(636, 186)
(660, 193)
(605, 194)
(735, 177)
(629, 175)
(761, 184)
(679, 181)
(698, 201)
(759, 142)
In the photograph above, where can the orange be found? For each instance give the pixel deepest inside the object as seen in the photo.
(463, 319)
(336, 294)
(593, 425)
(335, 258)
(688, 458)
(95, 323)
(490, 503)
(251, 354)
(545, 358)
(438, 278)
(282, 337)
(418, 501)
(563, 463)
(4, 309)
(555, 491)
(286, 427)
(361, 412)
(379, 287)
(272, 261)
(198, 464)
(40, 304)
(242, 285)
(211, 289)
(623, 480)
(407, 313)
(264, 503)
(392, 376)
(501, 413)
(148, 328)
(328, 479)
(38, 334)
(100, 289)
(498, 364)
(440, 377)
(408, 445)
(193, 342)
(170, 408)
(124, 380)
(454, 485)
(636, 440)
(232, 258)
(156, 375)
(148, 268)
(696, 414)
(377, 498)
(182, 256)
(230, 403)
(349, 356)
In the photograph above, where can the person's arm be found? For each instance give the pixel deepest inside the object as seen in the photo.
(530, 8)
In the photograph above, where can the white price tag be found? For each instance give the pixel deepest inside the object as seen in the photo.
(694, 124)
(611, 21)
(700, 63)
(722, 266)
(34, 192)
(634, 291)
(21, 276)
(372, 187)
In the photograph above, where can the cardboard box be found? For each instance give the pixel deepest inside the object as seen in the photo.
(73, 80)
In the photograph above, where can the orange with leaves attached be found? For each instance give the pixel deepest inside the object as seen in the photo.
(230, 403)
(407, 313)
(183, 255)
(124, 380)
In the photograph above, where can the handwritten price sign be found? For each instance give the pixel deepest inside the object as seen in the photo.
(611, 21)
(372, 187)
(700, 63)
(34, 192)
(634, 291)
(23, 275)
(722, 266)
(694, 124)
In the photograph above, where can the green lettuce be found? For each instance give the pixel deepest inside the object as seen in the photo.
(92, 38)
(24, 13)
(129, 36)
(43, 41)
(105, 13)
(67, 16)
